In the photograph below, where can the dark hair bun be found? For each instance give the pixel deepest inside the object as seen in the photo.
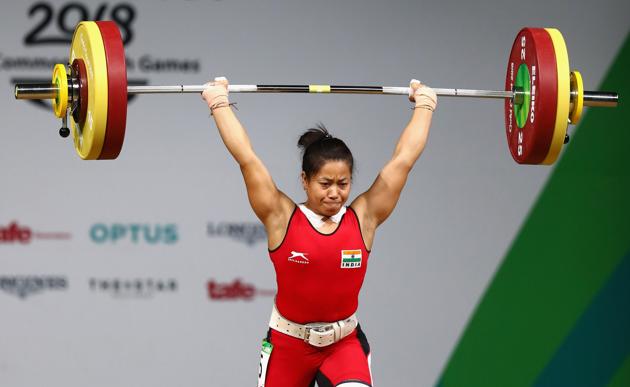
(313, 135)
(318, 147)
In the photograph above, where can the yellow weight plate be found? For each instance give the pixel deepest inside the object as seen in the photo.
(564, 96)
(577, 86)
(60, 80)
(87, 44)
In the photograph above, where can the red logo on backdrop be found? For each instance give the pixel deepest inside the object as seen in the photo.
(236, 290)
(14, 233)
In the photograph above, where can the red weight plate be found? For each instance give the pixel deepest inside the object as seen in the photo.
(530, 144)
(117, 90)
(81, 112)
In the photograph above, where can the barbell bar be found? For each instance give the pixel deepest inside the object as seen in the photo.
(541, 94)
(49, 91)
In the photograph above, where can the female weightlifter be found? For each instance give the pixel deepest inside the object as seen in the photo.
(320, 248)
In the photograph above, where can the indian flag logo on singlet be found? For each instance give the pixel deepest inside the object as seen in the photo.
(350, 259)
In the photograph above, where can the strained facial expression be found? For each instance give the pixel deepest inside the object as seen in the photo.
(328, 189)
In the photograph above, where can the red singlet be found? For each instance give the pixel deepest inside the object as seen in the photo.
(319, 276)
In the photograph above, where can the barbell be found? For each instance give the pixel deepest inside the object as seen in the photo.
(542, 95)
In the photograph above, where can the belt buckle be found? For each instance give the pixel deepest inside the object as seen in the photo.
(322, 329)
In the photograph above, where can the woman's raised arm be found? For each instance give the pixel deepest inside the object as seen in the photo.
(378, 202)
(270, 205)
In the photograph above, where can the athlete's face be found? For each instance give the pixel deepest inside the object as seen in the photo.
(328, 189)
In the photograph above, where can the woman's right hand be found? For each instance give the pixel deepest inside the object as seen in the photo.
(423, 96)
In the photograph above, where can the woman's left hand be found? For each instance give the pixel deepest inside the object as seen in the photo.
(216, 92)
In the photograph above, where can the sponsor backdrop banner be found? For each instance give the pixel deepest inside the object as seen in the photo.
(151, 270)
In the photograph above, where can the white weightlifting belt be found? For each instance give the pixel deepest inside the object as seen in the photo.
(318, 334)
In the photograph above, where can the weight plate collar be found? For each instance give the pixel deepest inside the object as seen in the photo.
(60, 80)
(577, 86)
